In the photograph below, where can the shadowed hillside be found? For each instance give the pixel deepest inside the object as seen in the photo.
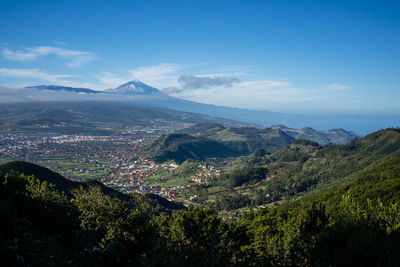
(179, 147)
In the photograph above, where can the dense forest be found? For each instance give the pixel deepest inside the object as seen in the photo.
(89, 226)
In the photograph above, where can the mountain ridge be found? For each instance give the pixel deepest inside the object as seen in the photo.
(221, 133)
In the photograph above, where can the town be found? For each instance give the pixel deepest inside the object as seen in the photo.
(115, 161)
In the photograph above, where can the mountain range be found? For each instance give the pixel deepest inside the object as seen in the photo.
(137, 92)
(137, 104)
(134, 87)
(213, 140)
(259, 135)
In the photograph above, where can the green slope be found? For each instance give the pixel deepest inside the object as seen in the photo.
(380, 180)
(244, 139)
(302, 168)
(179, 147)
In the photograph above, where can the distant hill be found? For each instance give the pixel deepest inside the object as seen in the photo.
(214, 140)
(179, 147)
(334, 136)
(248, 139)
(244, 139)
(65, 185)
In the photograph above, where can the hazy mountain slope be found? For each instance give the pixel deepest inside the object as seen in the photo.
(94, 117)
(361, 124)
(142, 94)
(334, 136)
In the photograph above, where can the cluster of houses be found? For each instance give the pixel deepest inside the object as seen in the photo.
(206, 173)
(114, 163)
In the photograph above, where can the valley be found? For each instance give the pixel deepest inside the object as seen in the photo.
(187, 163)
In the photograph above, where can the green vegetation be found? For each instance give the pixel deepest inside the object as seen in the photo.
(179, 147)
(245, 140)
(337, 205)
(304, 168)
(42, 226)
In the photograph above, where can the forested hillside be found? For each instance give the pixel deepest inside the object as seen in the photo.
(179, 147)
(216, 141)
(298, 169)
(352, 224)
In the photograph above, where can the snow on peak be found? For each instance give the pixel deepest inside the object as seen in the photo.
(134, 87)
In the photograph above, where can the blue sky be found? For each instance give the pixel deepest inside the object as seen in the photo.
(340, 57)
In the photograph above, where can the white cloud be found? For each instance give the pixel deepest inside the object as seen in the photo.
(33, 73)
(18, 55)
(167, 74)
(74, 58)
(337, 87)
(43, 77)
(19, 94)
